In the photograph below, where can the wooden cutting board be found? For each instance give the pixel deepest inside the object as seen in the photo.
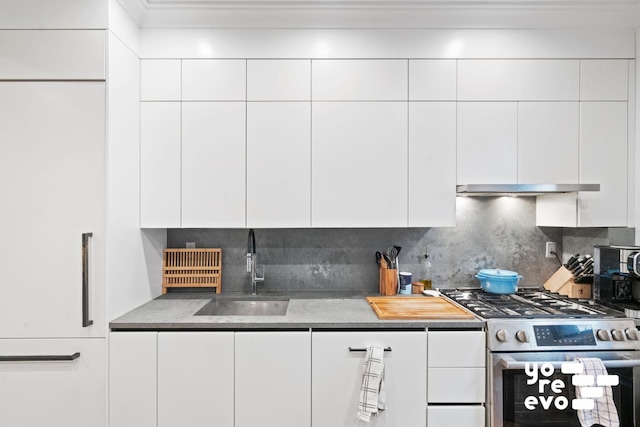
(414, 308)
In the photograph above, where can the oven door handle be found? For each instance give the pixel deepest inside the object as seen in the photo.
(508, 362)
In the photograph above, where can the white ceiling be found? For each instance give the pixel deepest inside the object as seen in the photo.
(382, 13)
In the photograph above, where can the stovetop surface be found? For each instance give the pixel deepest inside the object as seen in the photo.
(528, 303)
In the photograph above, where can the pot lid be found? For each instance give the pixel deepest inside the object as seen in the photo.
(497, 273)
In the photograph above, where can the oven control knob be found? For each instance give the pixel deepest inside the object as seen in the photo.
(603, 335)
(632, 333)
(502, 335)
(522, 336)
(617, 334)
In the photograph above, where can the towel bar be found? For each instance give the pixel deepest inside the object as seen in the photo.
(364, 349)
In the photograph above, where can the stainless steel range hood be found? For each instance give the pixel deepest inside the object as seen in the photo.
(522, 189)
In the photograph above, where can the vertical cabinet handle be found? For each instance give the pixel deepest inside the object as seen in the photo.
(85, 280)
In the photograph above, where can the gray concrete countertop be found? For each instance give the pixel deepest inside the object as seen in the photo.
(306, 310)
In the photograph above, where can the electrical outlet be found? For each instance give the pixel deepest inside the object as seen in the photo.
(191, 245)
(550, 250)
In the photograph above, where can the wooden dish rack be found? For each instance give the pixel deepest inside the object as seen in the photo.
(192, 268)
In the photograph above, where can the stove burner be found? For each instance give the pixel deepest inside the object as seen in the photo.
(527, 303)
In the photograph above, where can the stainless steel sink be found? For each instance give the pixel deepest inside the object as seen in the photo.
(244, 307)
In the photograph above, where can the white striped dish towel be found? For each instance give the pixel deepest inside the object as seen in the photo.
(604, 408)
(372, 391)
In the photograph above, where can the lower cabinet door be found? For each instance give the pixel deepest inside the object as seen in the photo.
(337, 378)
(53, 382)
(447, 416)
(273, 379)
(195, 379)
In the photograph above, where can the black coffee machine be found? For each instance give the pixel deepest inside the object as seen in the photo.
(616, 278)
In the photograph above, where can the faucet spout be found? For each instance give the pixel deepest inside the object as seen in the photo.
(252, 262)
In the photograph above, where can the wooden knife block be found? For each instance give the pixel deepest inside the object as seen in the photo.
(388, 279)
(562, 283)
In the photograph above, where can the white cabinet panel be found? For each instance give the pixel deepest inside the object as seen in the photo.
(432, 164)
(457, 349)
(273, 379)
(278, 164)
(53, 393)
(518, 80)
(213, 164)
(456, 385)
(279, 80)
(132, 379)
(557, 210)
(160, 80)
(432, 80)
(337, 378)
(603, 153)
(359, 156)
(548, 142)
(160, 164)
(195, 378)
(487, 143)
(53, 190)
(359, 80)
(604, 80)
(52, 55)
(446, 416)
(214, 79)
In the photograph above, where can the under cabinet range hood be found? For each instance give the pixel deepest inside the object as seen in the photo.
(522, 189)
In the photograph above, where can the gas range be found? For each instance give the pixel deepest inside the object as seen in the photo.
(528, 303)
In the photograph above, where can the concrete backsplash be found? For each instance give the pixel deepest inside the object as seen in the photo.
(493, 232)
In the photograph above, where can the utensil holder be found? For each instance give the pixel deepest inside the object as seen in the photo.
(388, 280)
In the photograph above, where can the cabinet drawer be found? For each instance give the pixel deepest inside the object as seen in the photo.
(464, 349)
(456, 385)
(53, 392)
(445, 416)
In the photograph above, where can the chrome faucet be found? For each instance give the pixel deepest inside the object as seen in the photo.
(252, 263)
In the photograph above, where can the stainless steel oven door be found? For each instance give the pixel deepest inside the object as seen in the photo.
(514, 378)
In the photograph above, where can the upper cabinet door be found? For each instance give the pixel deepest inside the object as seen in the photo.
(359, 80)
(213, 164)
(279, 80)
(160, 171)
(160, 80)
(604, 80)
(432, 164)
(432, 80)
(518, 80)
(548, 142)
(214, 79)
(278, 164)
(359, 161)
(487, 143)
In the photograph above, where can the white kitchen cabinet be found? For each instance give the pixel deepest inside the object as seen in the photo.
(160, 80)
(432, 80)
(548, 142)
(160, 168)
(359, 161)
(432, 164)
(337, 377)
(214, 79)
(133, 379)
(273, 379)
(53, 191)
(604, 79)
(487, 151)
(518, 80)
(52, 392)
(213, 164)
(278, 164)
(195, 378)
(359, 80)
(52, 55)
(454, 415)
(278, 80)
(603, 142)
